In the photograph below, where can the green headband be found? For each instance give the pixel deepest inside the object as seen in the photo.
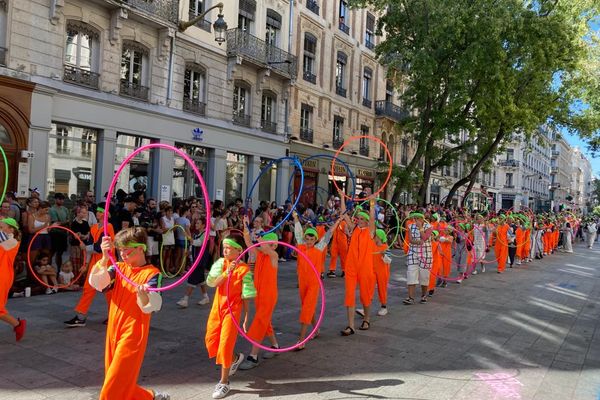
(100, 209)
(435, 233)
(311, 232)
(270, 237)
(232, 243)
(135, 245)
(416, 215)
(10, 222)
(381, 235)
(436, 217)
(364, 215)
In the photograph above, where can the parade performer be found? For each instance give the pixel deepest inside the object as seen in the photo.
(381, 267)
(419, 257)
(9, 247)
(501, 243)
(339, 248)
(221, 332)
(129, 313)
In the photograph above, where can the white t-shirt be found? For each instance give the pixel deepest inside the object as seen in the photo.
(66, 277)
(591, 227)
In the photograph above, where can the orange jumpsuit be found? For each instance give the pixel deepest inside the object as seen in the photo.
(221, 332)
(520, 242)
(408, 223)
(88, 291)
(321, 265)
(501, 246)
(359, 268)
(339, 247)
(445, 250)
(265, 281)
(547, 238)
(7, 274)
(308, 282)
(382, 272)
(126, 336)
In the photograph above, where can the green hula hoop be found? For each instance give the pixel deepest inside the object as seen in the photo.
(5, 174)
(376, 221)
(165, 273)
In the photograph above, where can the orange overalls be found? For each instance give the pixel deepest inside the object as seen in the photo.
(445, 250)
(7, 274)
(88, 291)
(321, 232)
(221, 332)
(520, 242)
(405, 245)
(382, 272)
(501, 246)
(339, 247)
(436, 264)
(126, 337)
(265, 281)
(308, 282)
(547, 239)
(359, 268)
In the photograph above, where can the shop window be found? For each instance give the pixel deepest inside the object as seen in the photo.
(134, 176)
(235, 180)
(268, 182)
(185, 182)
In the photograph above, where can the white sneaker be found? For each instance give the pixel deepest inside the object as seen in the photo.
(483, 268)
(459, 281)
(474, 272)
(49, 291)
(519, 262)
(383, 311)
(236, 364)
(183, 303)
(221, 390)
(282, 259)
(161, 396)
(205, 300)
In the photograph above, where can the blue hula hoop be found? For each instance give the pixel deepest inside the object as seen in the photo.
(262, 172)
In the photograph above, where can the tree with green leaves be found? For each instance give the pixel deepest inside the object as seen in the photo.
(476, 73)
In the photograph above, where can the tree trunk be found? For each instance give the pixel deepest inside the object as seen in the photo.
(467, 191)
(422, 196)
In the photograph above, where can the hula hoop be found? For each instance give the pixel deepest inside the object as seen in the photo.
(376, 221)
(389, 174)
(206, 206)
(265, 169)
(162, 268)
(5, 174)
(29, 257)
(321, 287)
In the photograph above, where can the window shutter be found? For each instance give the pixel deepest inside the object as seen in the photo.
(273, 18)
(247, 8)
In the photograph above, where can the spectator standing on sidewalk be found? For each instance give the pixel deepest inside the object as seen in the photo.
(59, 215)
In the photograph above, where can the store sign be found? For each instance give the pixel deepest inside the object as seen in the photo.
(339, 169)
(83, 174)
(314, 164)
(197, 134)
(23, 179)
(364, 173)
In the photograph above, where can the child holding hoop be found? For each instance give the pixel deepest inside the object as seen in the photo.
(129, 313)
(8, 252)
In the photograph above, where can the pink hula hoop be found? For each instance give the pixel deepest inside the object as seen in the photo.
(206, 204)
(321, 287)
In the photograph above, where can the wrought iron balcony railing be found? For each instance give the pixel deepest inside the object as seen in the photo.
(341, 91)
(81, 77)
(312, 6)
(194, 106)
(268, 126)
(364, 151)
(164, 9)
(3, 51)
(370, 45)
(388, 109)
(259, 52)
(240, 118)
(309, 77)
(367, 103)
(509, 186)
(306, 135)
(133, 90)
(509, 163)
(203, 24)
(337, 142)
(344, 28)
(554, 170)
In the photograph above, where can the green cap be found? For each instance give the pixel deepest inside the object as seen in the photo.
(381, 235)
(10, 222)
(311, 232)
(270, 237)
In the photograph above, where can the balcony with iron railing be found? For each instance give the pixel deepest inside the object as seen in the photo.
(194, 106)
(340, 91)
(313, 6)
(202, 24)
(167, 10)
(243, 44)
(367, 103)
(81, 77)
(509, 163)
(268, 126)
(3, 51)
(239, 118)
(306, 135)
(344, 28)
(337, 142)
(363, 150)
(309, 77)
(388, 109)
(133, 90)
(509, 186)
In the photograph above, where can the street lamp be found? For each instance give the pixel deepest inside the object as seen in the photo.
(220, 26)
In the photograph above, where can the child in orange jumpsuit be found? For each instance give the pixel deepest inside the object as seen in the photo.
(82, 308)
(501, 243)
(129, 314)
(8, 251)
(381, 267)
(265, 281)
(221, 333)
(339, 247)
(308, 284)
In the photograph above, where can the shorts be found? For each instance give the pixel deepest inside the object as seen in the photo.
(416, 275)
(181, 243)
(198, 275)
(152, 247)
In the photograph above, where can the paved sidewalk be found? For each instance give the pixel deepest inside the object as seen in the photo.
(531, 333)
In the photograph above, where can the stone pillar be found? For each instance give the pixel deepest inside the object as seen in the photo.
(283, 180)
(253, 172)
(161, 184)
(41, 124)
(217, 170)
(105, 162)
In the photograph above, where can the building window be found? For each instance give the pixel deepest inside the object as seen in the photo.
(246, 13)
(273, 27)
(194, 89)
(135, 176)
(268, 182)
(340, 72)
(81, 55)
(3, 30)
(370, 32)
(389, 91)
(363, 148)
(344, 17)
(268, 115)
(241, 104)
(338, 132)
(313, 6)
(134, 60)
(197, 7)
(235, 182)
(306, 117)
(310, 50)
(71, 159)
(185, 183)
(509, 181)
(404, 154)
(366, 92)
(510, 154)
